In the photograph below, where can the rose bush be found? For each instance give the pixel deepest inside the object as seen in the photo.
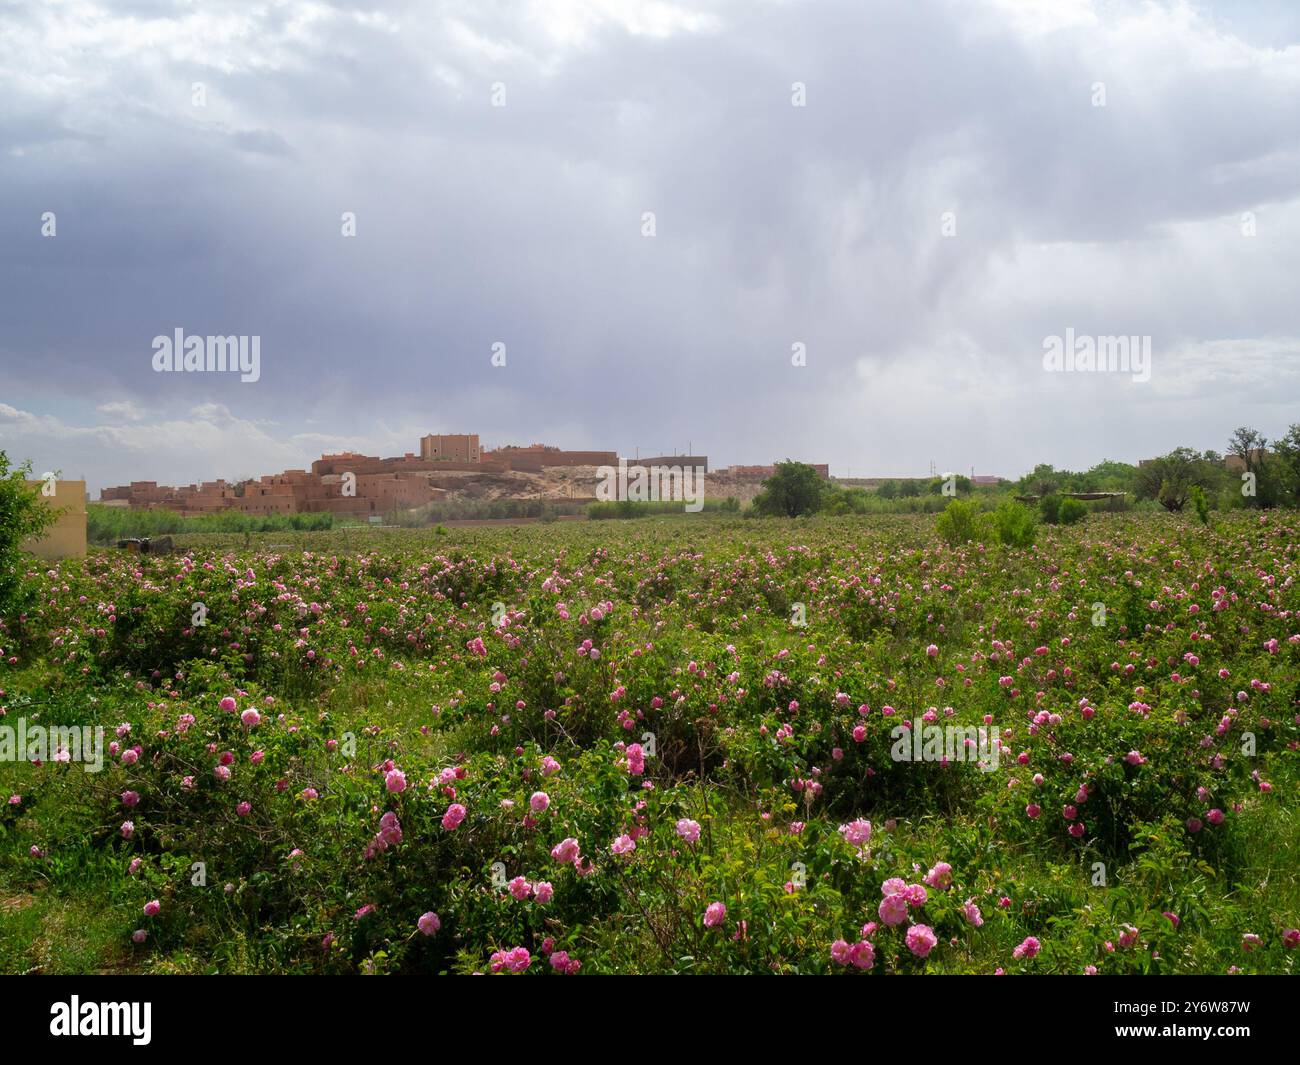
(480, 755)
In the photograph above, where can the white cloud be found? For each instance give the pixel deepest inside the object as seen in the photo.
(121, 409)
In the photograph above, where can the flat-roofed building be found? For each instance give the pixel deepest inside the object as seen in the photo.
(450, 447)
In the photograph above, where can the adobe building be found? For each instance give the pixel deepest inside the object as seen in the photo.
(536, 457)
(455, 447)
(1237, 464)
(375, 485)
(66, 538)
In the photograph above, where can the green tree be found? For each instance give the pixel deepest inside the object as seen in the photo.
(1042, 480)
(1249, 445)
(1109, 476)
(1286, 452)
(961, 484)
(794, 488)
(23, 514)
(1170, 478)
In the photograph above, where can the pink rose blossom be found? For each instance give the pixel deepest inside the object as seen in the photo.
(940, 877)
(893, 910)
(1028, 949)
(921, 940)
(862, 955)
(566, 851)
(857, 832)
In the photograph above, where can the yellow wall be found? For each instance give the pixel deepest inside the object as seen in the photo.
(66, 538)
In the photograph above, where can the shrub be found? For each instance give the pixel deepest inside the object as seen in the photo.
(1072, 510)
(1201, 504)
(331, 792)
(1014, 525)
(1049, 508)
(960, 522)
(105, 525)
(22, 515)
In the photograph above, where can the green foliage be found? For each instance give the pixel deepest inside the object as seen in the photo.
(1043, 480)
(1071, 511)
(487, 510)
(762, 662)
(837, 500)
(1201, 503)
(628, 508)
(794, 489)
(23, 515)
(1014, 525)
(1286, 464)
(1105, 476)
(1049, 508)
(960, 522)
(107, 525)
(1169, 479)
(961, 484)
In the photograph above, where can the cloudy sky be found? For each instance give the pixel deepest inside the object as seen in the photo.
(964, 179)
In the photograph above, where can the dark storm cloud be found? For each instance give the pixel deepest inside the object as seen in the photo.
(522, 224)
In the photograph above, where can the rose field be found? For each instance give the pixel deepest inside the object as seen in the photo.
(669, 745)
